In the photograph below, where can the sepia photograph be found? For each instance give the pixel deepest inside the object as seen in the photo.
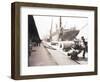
(57, 40)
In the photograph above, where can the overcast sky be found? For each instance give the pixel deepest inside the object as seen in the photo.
(43, 24)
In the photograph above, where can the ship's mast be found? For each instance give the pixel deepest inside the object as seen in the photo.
(60, 30)
(60, 22)
(51, 30)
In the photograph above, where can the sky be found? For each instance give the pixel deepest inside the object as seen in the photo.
(44, 23)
